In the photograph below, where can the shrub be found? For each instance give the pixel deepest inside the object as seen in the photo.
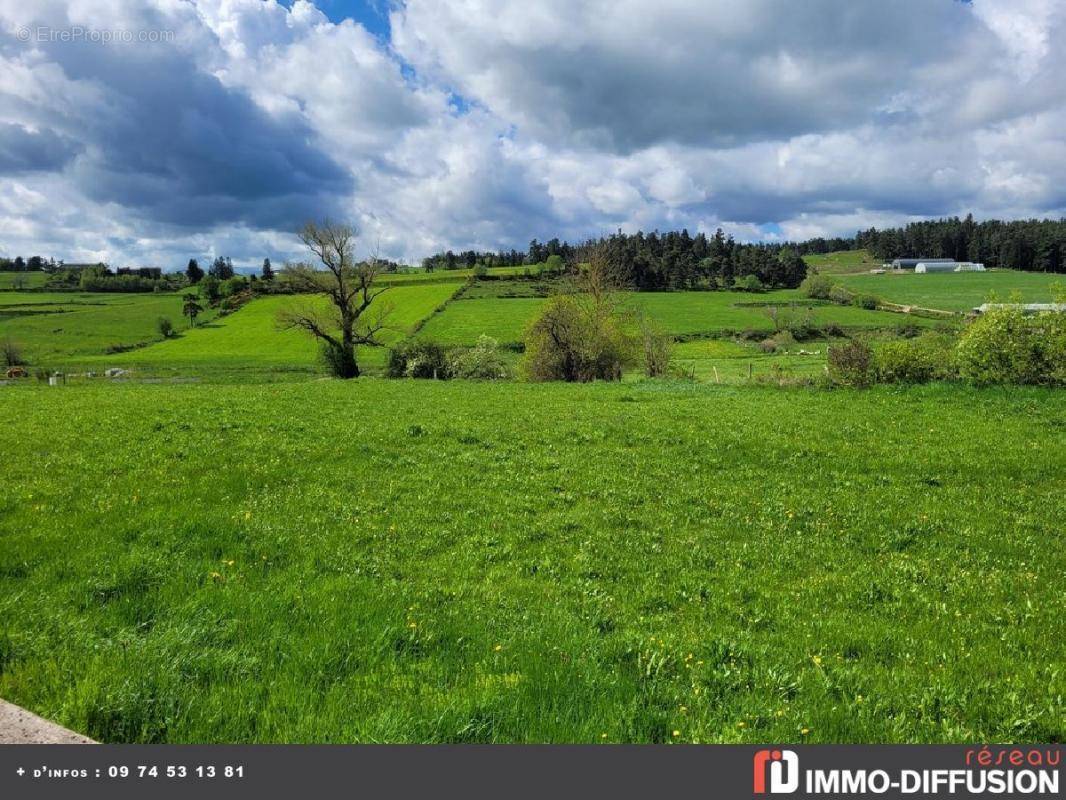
(867, 301)
(554, 263)
(234, 301)
(11, 353)
(232, 286)
(165, 327)
(209, 289)
(749, 283)
(785, 339)
(801, 330)
(573, 339)
(850, 364)
(419, 359)
(657, 347)
(817, 286)
(1005, 346)
(916, 360)
(838, 294)
(483, 361)
(480, 271)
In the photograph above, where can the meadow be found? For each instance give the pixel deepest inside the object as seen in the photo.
(416, 561)
(680, 314)
(251, 339)
(23, 280)
(62, 328)
(842, 262)
(961, 291)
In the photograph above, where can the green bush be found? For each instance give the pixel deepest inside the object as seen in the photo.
(657, 347)
(817, 286)
(1005, 346)
(803, 330)
(165, 327)
(483, 361)
(867, 301)
(749, 283)
(850, 364)
(575, 339)
(838, 294)
(419, 359)
(11, 353)
(919, 360)
(232, 286)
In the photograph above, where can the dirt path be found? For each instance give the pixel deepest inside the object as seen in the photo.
(19, 726)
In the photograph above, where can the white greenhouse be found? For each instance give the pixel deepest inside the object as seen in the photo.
(935, 266)
(948, 266)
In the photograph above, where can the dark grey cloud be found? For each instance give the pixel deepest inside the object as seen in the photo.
(23, 150)
(174, 145)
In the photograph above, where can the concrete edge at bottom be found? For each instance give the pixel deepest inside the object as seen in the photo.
(19, 726)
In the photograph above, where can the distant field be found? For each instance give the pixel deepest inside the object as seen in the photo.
(58, 328)
(445, 275)
(681, 313)
(30, 280)
(250, 339)
(464, 320)
(727, 361)
(956, 291)
(421, 561)
(842, 262)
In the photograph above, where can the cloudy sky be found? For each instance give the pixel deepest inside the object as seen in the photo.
(149, 131)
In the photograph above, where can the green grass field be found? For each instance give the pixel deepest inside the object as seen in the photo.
(61, 329)
(251, 340)
(24, 280)
(960, 291)
(727, 361)
(76, 331)
(414, 561)
(680, 313)
(842, 262)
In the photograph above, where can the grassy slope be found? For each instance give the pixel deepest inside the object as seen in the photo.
(32, 280)
(78, 329)
(287, 563)
(680, 313)
(842, 262)
(956, 291)
(250, 339)
(87, 323)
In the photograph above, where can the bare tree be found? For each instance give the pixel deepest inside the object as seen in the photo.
(349, 287)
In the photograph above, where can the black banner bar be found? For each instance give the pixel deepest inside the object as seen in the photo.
(518, 771)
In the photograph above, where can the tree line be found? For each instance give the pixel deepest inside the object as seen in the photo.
(657, 261)
(1032, 245)
(31, 264)
(677, 260)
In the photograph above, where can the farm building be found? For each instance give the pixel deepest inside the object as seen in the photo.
(911, 263)
(948, 266)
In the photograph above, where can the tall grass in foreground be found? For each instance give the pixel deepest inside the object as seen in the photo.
(425, 562)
